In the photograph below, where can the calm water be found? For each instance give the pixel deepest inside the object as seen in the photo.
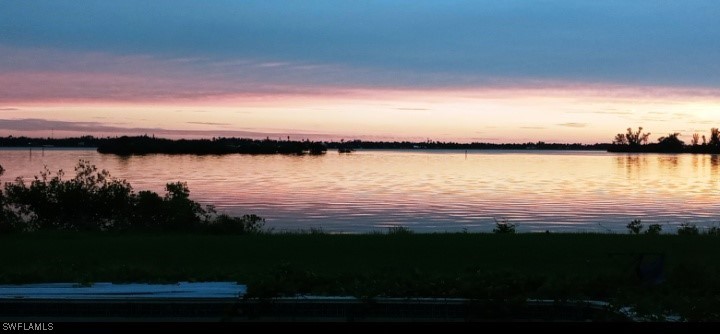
(424, 190)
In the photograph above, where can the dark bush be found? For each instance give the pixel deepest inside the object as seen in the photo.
(688, 229)
(654, 229)
(91, 200)
(182, 213)
(635, 226)
(503, 227)
(224, 224)
(94, 201)
(146, 213)
(5, 225)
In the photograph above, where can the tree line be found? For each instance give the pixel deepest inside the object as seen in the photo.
(222, 145)
(637, 141)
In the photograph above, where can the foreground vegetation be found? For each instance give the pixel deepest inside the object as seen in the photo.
(93, 200)
(92, 228)
(655, 273)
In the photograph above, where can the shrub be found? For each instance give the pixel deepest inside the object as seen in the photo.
(92, 200)
(95, 201)
(5, 225)
(503, 227)
(654, 229)
(635, 226)
(225, 224)
(8, 222)
(688, 229)
(181, 212)
(146, 213)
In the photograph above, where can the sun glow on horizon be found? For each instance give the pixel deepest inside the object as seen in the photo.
(586, 114)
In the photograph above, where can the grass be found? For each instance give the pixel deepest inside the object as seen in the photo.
(483, 266)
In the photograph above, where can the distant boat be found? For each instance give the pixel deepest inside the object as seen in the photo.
(345, 150)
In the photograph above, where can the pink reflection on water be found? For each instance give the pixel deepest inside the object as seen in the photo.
(425, 190)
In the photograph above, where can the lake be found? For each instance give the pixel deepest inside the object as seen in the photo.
(426, 191)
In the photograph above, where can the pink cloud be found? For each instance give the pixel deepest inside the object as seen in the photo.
(47, 75)
(43, 126)
(257, 98)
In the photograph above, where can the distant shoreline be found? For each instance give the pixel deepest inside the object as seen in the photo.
(150, 145)
(140, 145)
(94, 148)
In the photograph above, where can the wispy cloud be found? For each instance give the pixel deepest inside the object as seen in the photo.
(36, 124)
(208, 123)
(573, 125)
(634, 43)
(51, 74)
(48, 74)
(603, 112)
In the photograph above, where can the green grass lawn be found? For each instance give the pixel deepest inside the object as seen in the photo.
(484, 266)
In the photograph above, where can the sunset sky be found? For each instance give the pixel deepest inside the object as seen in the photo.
(491, 71)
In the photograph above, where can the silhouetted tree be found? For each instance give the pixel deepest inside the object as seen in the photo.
(635, 226)
(714, 137)
(688, 229)
(5, 222)
(695, 139)
(654, 229)
(671, 142)
(636, 138)
(146, 145)
(503, 227)
(620, 139)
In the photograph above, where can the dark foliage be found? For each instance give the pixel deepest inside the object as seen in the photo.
(671, 143)
(504, 227)
(6, 223)
(431, 144)
(148, 144)
(95, 201)
(654, 229)
(635, 226)
(84, 141)
(636, 142)
(224, 224)
(688, 229)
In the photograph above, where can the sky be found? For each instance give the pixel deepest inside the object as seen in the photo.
(489, 71)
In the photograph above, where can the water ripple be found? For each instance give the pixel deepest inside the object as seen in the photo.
(425, 190)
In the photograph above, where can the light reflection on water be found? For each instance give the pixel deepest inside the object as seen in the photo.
(424, 190)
